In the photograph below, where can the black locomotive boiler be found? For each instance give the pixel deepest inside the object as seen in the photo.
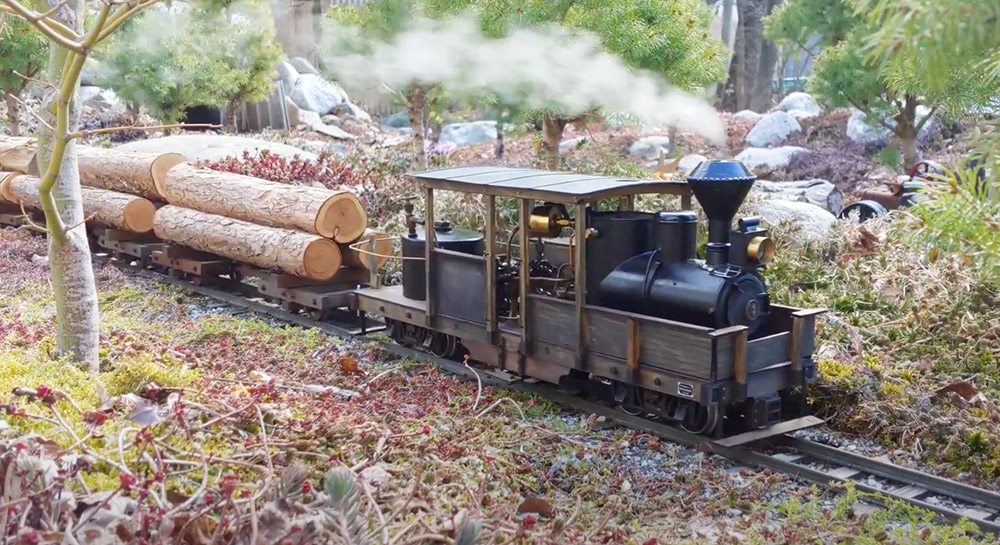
(616, 300)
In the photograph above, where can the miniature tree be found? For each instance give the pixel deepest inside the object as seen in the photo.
(177, 58)
(23, 52)
(889, 87)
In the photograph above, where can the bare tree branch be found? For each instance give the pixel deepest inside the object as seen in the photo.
(38, 81)
(30, 111)
(53, 30)
(87, 133)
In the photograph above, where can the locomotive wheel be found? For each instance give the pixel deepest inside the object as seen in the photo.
(699, 419)
(442, 346)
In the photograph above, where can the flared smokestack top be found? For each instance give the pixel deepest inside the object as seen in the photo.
(720, 187)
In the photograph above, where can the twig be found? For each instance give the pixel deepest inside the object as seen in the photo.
(54, 30)
(263, 435)
(30, 111)
(497, 402)
(479, 383)
(378, 512)
(30, 221)
(85, 220)
(92, 132)
(31, 79)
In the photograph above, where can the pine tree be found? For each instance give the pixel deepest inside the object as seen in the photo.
(23, 50)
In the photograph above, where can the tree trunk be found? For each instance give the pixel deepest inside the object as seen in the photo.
(119, 210)
(70, 267)
(13, 114)
(763, 85)
(753, 41)
(906, 131)
(19, 154)
(552, 130)
(416, 101)
(332, 214)
(498, 148)
(295, 252)
(359, 259)
(232, 126)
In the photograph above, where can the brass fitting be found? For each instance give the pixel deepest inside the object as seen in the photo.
(760, 250)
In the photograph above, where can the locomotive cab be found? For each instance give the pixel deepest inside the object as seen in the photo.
(621, 305)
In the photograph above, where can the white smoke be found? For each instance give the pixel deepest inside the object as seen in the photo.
(544, 67)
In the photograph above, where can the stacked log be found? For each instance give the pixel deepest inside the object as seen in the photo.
(297, 253)
(127, 212)
(127, 172)
(357, 258)
(17, 154)
(333, 214)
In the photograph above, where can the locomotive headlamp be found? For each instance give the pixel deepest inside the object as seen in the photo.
(760, 250)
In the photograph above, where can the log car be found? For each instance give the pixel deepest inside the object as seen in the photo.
(737, 380)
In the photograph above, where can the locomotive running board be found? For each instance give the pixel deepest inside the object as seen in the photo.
(780, 428)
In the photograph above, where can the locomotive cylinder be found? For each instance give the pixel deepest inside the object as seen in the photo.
(414, 244)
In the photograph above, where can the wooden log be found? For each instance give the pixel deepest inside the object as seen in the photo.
(4, 196)
(332, 214)
(17, 154)
(125, 171)
(121, 210)
(295, 252)
(358, 259)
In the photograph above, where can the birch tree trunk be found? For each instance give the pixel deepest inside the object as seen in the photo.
(70, 267)
(552, 130)
(416, 101)
(13, 114)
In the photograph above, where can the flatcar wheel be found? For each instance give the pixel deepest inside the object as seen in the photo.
(442, 346)
(319, 314)
(699, 419)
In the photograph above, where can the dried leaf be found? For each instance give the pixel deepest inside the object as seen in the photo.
(176, 498)
(967, 391)
(260, 376)
(145, 414)
(349, 365)
(534, 504)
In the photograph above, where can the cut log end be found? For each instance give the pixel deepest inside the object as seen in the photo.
(138, 216)
(5, 194)
(162, 165)
(321, 259)
(342, 218)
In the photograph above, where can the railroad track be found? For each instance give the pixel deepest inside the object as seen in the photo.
(801, 459)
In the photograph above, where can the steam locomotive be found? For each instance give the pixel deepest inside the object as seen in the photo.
(612, 300)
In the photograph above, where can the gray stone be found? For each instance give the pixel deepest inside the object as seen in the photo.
(287, 74)
(212, 147)
(768, 159)
(819, 192)
(795, 222)
(689, 163)
(749, 115)
(859, 131)
(359, 112)
(469, 134)
(314, 122)
(293, 112)
(331, 119)
(303, 66)
(803, 103)
(104, 100)
(398, 120)
(648, 147)
(316, 94)
(571, 144)
(773, 128)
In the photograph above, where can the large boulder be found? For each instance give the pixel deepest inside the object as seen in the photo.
(748, 115)
(469, 134)
(315, 122)
(773, 128)
(313, 93)
(819, 192)
(796, 222)
(648, 147)
(303, 66)
(398, 120)
(689, 163)
(859, 131)
(287, 75)
(800, 105)
(769, 159)
(210, 147)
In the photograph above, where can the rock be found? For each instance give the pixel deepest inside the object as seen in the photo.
(303, 66)
(104, 100)
(287, 75)
(769, 159)
(800, 114)
(398, 120)
(748, 115)
(798, 222)
(316, 94)
(648, 147)
(314, 122)
(469, 134)
(358, 112)
(773, 128)
(40, 260)
(689, 162)
(818, 192)
(804, 103)
(571, 144)
(211, 147)
(330, 119)
(293, 112)
(859, 131)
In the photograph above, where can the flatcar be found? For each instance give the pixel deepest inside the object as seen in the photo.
(604, 296)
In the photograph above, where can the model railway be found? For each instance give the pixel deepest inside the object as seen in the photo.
(804, 460)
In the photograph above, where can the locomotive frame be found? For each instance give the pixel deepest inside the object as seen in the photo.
(650, 364)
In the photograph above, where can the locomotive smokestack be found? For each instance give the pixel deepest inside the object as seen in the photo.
(720, 187)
